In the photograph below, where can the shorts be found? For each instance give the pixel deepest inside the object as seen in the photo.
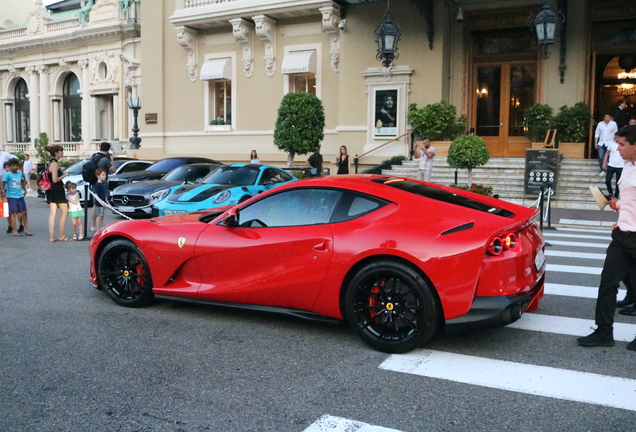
(76, 213)
(99, 211)
(16, 205)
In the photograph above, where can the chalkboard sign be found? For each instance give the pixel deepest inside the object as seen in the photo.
(542, 170)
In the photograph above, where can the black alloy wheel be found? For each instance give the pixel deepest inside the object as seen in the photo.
(123, 273)
(391, 307)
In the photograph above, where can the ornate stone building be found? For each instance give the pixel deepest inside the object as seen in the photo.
(66, 70)
(215, 87)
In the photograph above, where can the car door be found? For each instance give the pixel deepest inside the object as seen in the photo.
(278, 255)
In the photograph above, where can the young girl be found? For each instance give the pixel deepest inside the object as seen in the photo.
(75, 211)
(343, 162)
(254, 157)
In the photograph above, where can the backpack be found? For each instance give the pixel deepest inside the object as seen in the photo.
(88, 170)
(45, 180)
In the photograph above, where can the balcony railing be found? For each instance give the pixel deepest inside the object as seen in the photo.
(71, 149)
(197, 3)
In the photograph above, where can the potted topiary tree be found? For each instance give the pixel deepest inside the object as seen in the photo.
(539, 120)
(573, 125)
(468, 152)
(300, 125)
(437, 122)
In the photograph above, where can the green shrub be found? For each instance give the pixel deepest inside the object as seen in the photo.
(468, 152)
(538, 121)
(300, 125)
(385, 165)
(573, 124)
(436, 121)
(475, 188)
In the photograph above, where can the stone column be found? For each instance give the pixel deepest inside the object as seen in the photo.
(8, 117)
(115, 116)
(57, 120)
(45, 107)
(34, 102)
(86, 106)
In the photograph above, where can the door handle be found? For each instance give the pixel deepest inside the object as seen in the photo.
(320, 246)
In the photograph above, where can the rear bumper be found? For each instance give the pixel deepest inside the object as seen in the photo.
(496, 311)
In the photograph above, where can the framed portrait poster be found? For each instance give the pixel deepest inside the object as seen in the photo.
(386, 103)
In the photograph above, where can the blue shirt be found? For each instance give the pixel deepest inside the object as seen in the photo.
(101, 190)
(14, 184)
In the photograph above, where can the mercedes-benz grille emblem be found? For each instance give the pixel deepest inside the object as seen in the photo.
(124, 199)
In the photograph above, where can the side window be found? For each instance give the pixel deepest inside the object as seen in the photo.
(354, 205)
(267, 177)
(291, 208)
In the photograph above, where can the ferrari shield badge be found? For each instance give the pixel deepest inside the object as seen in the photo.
(181, 241)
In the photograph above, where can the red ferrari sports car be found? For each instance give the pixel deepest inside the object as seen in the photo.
(397, 258)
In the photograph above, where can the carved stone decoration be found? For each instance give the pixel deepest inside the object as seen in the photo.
(243, 31)
(42, 69)
(104, 70)
(130, 66)
(12, 72)
(64, 66)
(83, 63)
(188, 38)
(266, 31)
(31, 70)
(330, 20)
(34, 25)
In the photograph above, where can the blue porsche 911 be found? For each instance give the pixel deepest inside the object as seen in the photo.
(227, 185)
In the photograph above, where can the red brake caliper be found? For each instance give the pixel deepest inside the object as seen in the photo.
(373, 299)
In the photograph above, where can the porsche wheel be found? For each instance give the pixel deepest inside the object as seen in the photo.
(391, 307)
(123, 272)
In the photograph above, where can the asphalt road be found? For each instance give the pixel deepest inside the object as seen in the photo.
(72, 360)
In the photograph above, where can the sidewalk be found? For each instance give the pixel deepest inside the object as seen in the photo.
(583, 218)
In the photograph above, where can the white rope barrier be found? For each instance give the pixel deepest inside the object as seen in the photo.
(108, 205)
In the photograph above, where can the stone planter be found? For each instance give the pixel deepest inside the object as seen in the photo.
(572, 150)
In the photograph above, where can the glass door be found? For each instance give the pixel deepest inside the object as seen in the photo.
(502, 91)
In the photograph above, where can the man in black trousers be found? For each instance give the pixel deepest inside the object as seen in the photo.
(619, 115)
(621, 253)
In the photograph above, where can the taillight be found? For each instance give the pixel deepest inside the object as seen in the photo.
(510, 242)
(504, 242)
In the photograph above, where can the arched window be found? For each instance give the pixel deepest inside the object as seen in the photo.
(72, 109)
(22, 118)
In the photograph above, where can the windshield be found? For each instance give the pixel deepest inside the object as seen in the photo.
(76, 168)
(166, 165)
(188, 172)
(240, 176)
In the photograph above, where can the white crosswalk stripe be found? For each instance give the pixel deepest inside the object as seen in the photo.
(575, 290)
(573, 269)
(328, 423)
(569, 326)
(525, 378)
(569, 254)
(549, 235)
(578, 244)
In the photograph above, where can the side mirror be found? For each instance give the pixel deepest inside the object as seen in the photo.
(232, 219)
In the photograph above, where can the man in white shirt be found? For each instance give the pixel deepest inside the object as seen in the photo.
(27, 168)
(613, 163)
(604, 135)
(621, 253)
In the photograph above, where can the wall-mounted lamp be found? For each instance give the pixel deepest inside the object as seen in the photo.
(387, 36)
(545, 26)
(482, 93)
(460, 15)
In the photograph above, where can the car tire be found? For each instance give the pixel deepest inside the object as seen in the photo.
(123, 273)
(391, 307)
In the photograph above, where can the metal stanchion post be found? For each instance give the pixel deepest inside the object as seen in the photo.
(355, 162)
(549, 227)
(541, 208)
(86, 201)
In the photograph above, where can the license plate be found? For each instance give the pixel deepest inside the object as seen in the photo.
(175, 212)
(126, 209)
(539, 260)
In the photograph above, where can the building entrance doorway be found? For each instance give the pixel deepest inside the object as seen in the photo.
(502, 91)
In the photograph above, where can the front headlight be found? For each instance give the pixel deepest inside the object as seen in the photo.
(159, 195)
(222, 196)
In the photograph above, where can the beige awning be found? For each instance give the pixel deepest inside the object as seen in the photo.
(217, 69)
(299, 62)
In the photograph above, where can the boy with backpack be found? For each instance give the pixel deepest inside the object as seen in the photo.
(101, 160)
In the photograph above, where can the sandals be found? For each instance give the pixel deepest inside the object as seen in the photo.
(64, 239)
(80, 238)
(74, 236)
